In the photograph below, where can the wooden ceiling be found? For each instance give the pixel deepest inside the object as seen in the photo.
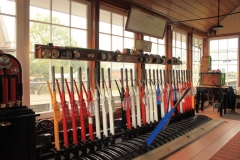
(183, 10)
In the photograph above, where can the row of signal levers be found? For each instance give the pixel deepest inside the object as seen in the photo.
(144, 102)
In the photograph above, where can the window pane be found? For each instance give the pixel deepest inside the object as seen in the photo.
(178, 40)
(222, 58)
(161, 50)
(174, 52)
(213, 46)
(40, 10)
(106, 65)
(223, 68)
(152, 39)
(232, 44)
(223, 45)
(195, 41)
(43, 33)
(39, 34)
(104, 42)
(184, 41)
(76, 65)
(231, 76)
(117, 43)
(232, 68)
(178, 53)
(128, 66)
(8, 30)
(116, 75)
(128, 43)
(232, 57)
(154, 48)
(60, 36)
(79, 15)
(161, 41)
(39, 94)
(105, 19)
(79, 38)
(146, 38)
(214, 57)
(8, 7)
(60, 12)
(184, 56)
(127, 33)
(117, 24)
(214, 67)
(173, 39)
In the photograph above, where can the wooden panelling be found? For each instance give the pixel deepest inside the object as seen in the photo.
(231, 24)
(183, 11)
(199, 15)
(228, 4)
(235, 2)
(192, 10)
(223, 8)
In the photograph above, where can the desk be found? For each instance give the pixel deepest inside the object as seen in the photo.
(202, 90)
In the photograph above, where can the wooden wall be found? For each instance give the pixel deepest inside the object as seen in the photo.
(231, 24)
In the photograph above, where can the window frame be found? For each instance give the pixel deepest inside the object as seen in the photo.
(47, 114)
(174, 47)
(124, 14)
(200, 56)
(156, 66)
(228, 37)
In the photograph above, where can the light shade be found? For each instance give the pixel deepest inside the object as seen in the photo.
(217, 27)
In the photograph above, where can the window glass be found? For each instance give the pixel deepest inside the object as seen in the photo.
(233, 44)
(178, 40)
(8, 30)
(105, 19)
(113, 37)
(60, 12)
(40, 10)
(232, 57)
(213, 46)
(128, 43)
(40, 34)
(79, 38)
(8, 7)
(78, 16)
(196, 55)
(224, 57)
(184, 40)
(66, 27)
(117, 24)
(127, 33)
(60, 35)
(117, 43)
(179, 48)
(173, 39)
(158, 47)
(105, 42)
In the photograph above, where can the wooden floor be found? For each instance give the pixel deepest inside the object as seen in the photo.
(206, 146)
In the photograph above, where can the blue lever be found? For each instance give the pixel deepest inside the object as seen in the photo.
(164, 122)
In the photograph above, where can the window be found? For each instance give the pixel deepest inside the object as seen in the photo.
(63, 23)
(224, 53)
(158, 48)
(8, 26)
(112, 36)
(196, 58)
(179, 49)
